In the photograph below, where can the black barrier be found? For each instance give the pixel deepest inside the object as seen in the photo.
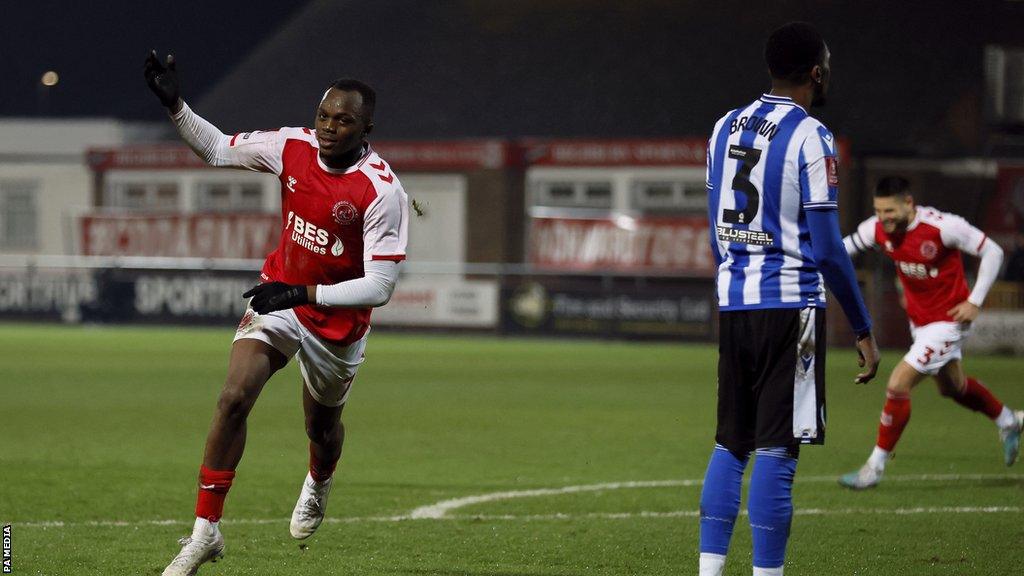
(633, 308)
(47, 295)
(611, 308)
(124, 295)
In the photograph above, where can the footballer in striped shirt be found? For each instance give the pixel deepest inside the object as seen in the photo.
(773, 182)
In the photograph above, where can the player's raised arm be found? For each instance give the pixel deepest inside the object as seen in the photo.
(819, 191)
(960, 234)
(162, 78)
(257, 151)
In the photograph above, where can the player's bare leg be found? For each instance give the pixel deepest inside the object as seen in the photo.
(973, 395)
(895, 416)
(252, 363)
(326, 434)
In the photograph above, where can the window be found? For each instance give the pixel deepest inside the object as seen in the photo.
(155, 196)
(669, 196)
(18, 215)
(574, 194)
(598, 194)
(229, 197)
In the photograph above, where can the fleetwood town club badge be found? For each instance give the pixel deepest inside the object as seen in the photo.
(929, 250)
(345, 213)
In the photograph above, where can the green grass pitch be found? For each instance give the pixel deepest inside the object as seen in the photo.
(101, 434)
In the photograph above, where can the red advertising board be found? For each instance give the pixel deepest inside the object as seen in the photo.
(427, 156)
(606, 153)
(450, 155)
(181, 235)
(144, 157)
(651, 245)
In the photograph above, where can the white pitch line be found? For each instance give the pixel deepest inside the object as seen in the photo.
(696, 513)
(440, 510)
(541, 517)
(188, 522)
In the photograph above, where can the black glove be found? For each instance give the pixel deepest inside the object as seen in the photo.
(276, 296)
(163, 79)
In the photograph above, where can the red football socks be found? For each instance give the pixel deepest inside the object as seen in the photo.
(895, 416)
(213, 488)
(976, 397)
(320, 471)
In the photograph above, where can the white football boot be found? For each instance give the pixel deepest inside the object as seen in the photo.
(310, 508)
(867, 477)
(1010, 438)
(206, 544)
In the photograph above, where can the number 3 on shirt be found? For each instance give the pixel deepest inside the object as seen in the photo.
(748, 157)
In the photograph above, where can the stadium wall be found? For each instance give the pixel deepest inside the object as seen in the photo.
(548, 237)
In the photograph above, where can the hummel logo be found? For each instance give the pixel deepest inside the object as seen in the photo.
(291, 183)
(381, 167)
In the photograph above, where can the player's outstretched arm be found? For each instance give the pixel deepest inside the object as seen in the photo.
(204, 138)
(863, 238)
(162, 78)
(261, 152)
(835, 266)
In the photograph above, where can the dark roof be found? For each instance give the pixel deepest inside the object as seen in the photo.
(907, 77)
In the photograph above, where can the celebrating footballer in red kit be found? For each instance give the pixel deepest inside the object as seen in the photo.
(926, 246)
(344, 216)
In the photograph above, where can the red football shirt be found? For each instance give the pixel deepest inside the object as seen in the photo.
(332, 221)
(928, 260)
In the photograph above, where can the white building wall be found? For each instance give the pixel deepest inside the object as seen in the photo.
(48, 155)
(61, 191)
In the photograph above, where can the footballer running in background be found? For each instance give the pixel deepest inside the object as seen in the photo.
(772, 177)
(345, 226)
(926, 245)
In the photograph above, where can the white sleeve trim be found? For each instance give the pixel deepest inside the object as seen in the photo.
(821, 205)
(372, 290)
(991, 261)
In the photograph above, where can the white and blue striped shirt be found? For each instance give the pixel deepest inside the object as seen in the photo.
(768, 163)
